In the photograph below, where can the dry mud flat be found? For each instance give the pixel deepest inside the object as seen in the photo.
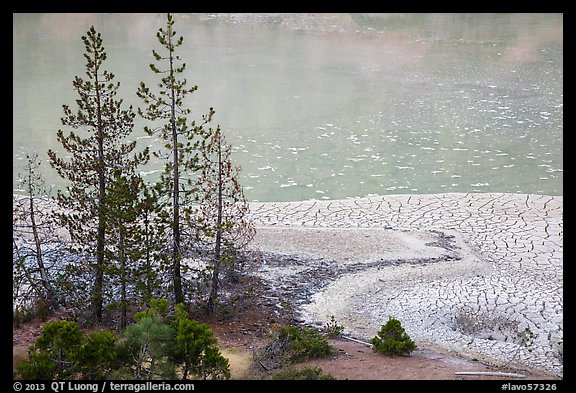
(465, 273)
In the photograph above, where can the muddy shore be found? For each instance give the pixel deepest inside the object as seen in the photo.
(465, 273)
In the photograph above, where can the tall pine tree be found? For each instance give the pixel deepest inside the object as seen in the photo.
(183, 140)
(96, 152)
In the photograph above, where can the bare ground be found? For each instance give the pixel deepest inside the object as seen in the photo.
(242, 331)
(245, 333)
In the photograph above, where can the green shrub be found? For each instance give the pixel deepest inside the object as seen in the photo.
(98, 355)
(63, 351)
(332, 328)
(55, 354)
(157, 308)
(292, 344)
(37, 366)
(304, 373)
(146, 349)
(160, 345)
(183, 348)
(392, 339)
(196, 349)
(304, 343)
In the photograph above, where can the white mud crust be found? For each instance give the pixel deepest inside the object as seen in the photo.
(464, 273)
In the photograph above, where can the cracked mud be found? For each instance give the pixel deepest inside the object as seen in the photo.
(466, 273)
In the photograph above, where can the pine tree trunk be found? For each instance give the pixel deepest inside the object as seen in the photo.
(176, 232)
(124, 279)
(217, 248)
(99, 280)
(148, 264)
(100, 237)
(176, 254)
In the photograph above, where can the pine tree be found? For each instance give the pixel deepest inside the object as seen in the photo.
(196, 349)
(133, 250)
(223, 209)
(150, 237)
(63, 351)
(93, 159)
(122, 216)
(392, 339)
(55, 353)
(182, 142)
(149, 343)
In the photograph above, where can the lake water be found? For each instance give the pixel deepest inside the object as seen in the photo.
(329, 106)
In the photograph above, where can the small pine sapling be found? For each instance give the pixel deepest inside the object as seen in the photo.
(392, 339)
(332, 328)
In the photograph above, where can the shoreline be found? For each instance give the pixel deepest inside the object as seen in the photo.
(501, 272)
(463, 272)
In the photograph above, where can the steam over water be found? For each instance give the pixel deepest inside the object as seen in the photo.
(328, 106)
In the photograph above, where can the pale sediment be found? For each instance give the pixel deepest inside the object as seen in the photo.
(463, 272)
